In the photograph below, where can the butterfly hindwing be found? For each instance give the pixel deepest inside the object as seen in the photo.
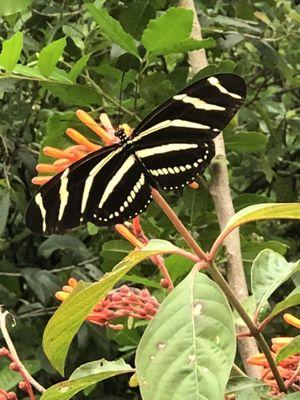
(126, 195)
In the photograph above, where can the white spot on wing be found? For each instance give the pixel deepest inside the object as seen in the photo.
(39, 202)
(63, 193)
(116, 179)
(215, 82)
(176, 123)
(166, 148)
(92, 174)
(198, 103)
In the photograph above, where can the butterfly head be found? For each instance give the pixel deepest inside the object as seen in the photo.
(120, 133)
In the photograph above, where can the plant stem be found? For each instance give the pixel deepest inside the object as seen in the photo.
(219, 279)
(178, 224)
(110, 99)
(14, 353)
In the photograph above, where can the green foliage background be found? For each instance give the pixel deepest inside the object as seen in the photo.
(258, 40)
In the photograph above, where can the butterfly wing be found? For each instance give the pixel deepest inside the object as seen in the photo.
(105, 187)
(175, 141)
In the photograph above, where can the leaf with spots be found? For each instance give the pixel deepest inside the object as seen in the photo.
(189, 346)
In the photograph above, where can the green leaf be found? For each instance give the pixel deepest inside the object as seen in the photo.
(249, 305)
(170, 33)
(66, 321)
(57, 74)
(112, 30)
(293, 299)
(42, 282)
(9, 379)
(142, 281)
(64, 243)
(4, 208)
(251, 142)
(188, 45)
(78, 95)
(189, 347)
(85, 376)
(238, 23)
(11, 51)
(50, 55)
(78, 67)
(55, 132)
(269, 271)
(249, 199)
(136, 15)
(31, 72)
(8, 7)
(261, 212)
(239, 383)
(291, 396)
(289, 350)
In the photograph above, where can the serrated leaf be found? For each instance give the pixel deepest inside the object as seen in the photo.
(66, 321)
(4, 208)
(8, 7)
(247, 142)
(269, 271)
(11, 51)
(189, 347)
(78, 67)
(289, 350)
(50, 55)
(112, 30)
(168, 30)
(85, 376)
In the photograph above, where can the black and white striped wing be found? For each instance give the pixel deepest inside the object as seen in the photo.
(106, 187)
(175, 141)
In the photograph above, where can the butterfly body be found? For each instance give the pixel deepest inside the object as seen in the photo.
(168, 149)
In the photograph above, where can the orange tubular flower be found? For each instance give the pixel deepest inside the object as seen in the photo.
(83, 146)
(288, 368)
(121, 302)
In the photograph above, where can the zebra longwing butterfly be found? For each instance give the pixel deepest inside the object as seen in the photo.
(168, 149)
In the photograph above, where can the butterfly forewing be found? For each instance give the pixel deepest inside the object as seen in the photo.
(175, 141)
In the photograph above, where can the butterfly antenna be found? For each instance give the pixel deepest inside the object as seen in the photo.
(120, 99)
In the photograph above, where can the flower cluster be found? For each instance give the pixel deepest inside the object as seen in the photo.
(289, 368)
(83, 146)
(24, 385)
(121, 302)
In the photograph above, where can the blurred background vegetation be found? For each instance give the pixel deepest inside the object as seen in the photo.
(258, 40)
